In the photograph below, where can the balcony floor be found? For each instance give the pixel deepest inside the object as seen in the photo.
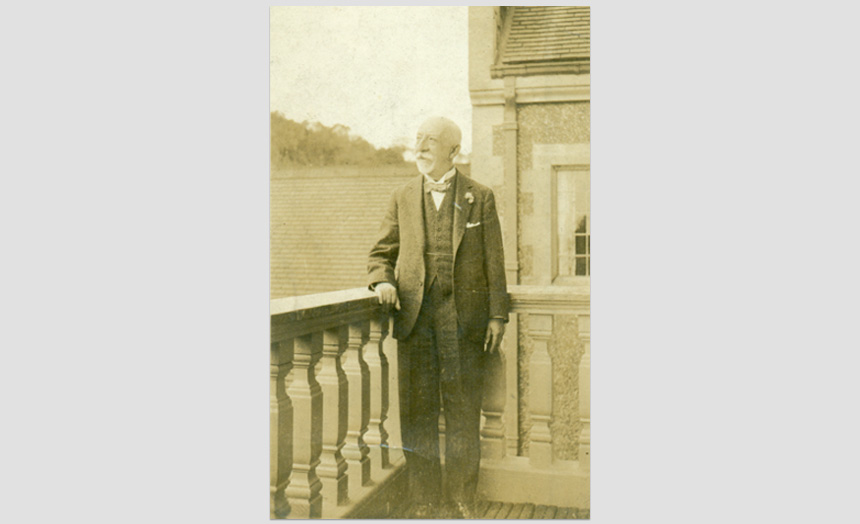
(507, 510)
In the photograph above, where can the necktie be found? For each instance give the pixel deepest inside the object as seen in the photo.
(436, 186)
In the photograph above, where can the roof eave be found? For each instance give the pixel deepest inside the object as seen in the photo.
(576, 66)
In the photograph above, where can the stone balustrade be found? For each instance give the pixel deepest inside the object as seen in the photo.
(335, 449)
(528, 395)
(332, 368)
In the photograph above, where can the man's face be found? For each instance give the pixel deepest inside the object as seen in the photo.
(434, 150)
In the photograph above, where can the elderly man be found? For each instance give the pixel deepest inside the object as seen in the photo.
(439, 263)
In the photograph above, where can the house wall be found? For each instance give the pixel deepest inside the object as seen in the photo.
(549, 134)
(547, 118)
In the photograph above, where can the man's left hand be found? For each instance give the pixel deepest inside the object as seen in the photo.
(495, 331)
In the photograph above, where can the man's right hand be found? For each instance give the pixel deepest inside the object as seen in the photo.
(387, 295)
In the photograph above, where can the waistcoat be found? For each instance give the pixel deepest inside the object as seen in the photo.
(438, 242)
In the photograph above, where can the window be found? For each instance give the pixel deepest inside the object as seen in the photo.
(571, 214)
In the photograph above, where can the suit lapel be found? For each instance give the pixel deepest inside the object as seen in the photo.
(415, 204)
(462, 209)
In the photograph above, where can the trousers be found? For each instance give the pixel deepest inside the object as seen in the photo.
(438, 367)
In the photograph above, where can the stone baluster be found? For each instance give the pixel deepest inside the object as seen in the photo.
(355, 450)
(333, 383)
(584, 328)
(377, 363)
(493, 407)
(392, 418)
(280, 429)
(303, 492)
(540, 391)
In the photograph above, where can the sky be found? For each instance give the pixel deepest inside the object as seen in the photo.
(378, 70)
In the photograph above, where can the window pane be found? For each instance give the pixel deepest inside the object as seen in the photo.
(581, 266)
(581, 245)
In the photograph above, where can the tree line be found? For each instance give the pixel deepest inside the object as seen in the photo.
(313, 144)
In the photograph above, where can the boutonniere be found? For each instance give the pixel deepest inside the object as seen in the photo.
(470, 198)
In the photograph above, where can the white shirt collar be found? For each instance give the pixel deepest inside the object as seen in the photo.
(444, 178)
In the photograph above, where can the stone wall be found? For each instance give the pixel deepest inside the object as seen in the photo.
(561, 123)
(550, 124)
(565, 350)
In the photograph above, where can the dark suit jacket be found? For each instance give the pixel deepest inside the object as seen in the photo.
(397, 257)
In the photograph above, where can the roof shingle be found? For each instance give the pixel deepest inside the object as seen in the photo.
(324, 222)
(547, 33)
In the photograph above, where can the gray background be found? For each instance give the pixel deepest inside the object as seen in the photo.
(134, 289)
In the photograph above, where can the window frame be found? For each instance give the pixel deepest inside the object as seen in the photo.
(556, 278)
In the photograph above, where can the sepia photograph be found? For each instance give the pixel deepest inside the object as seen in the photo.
(430, 259)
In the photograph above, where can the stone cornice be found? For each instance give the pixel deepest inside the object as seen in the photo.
(576, 67)
(533, 95)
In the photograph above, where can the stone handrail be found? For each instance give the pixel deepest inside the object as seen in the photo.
(550, 299)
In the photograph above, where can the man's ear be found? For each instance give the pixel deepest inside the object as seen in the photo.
(454, 151)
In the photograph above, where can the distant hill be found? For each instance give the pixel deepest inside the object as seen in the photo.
(309, 144)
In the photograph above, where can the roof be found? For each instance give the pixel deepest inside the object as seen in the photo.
(546, 34)
(324, 222)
